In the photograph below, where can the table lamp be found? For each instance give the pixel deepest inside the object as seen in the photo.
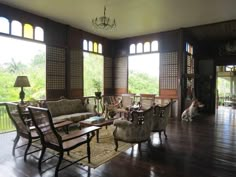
(22, 81)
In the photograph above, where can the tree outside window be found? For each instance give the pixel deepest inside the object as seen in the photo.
(93, 73)
(143, 76)
(28, 58)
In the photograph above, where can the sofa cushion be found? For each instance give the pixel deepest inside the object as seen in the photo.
(72, 106)
(55, 108)
(65, 106)
(76, 117)
(61, 118)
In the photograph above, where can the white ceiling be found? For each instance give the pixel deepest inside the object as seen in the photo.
(133, 17)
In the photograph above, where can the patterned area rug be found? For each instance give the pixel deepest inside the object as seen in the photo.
(100, 152)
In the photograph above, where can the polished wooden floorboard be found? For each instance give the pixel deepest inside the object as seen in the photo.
(205, 147)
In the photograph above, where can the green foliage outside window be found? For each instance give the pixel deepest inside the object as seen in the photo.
(36, 72)
(97, 84)
(142, 83)
(143, 76)
(93, 73)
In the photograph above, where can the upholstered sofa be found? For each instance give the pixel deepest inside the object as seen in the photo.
(71, 109)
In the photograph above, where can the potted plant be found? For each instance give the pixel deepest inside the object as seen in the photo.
(97, 85)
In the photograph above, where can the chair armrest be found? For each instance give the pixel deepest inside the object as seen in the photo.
(122, 123)
(79, 133)
(62, 124)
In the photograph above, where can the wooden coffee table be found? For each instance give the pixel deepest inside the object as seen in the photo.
(100, 123)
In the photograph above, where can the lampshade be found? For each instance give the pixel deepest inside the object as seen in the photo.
(22, 81)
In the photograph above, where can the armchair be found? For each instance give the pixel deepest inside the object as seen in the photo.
(127, 101)
(136, 131)
(110, 105)
(112, 100)
(51, 139)
(160, 119)
(22, 129)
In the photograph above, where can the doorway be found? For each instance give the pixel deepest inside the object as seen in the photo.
(226, 86)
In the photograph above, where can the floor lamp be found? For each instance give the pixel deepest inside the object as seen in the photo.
(22, 81)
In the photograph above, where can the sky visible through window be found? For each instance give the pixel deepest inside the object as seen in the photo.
(20, 50)
(146, 63)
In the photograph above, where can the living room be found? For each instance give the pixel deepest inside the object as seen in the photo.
(193, 51)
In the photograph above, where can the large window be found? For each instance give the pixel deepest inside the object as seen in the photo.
(93, 68)
(19, 57)
(93, 73)
(143, 75)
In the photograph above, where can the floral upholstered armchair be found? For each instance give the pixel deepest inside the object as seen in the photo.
(137, 130)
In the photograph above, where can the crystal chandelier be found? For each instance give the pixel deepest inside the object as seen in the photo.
(104, 22)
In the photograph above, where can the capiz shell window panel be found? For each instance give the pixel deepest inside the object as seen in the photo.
(168, 70)
(55, 68)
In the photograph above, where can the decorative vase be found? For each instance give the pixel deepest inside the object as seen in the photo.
(98, 95)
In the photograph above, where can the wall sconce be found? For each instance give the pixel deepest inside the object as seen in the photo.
(22, 81)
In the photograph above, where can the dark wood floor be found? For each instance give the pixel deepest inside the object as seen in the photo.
(205, 147)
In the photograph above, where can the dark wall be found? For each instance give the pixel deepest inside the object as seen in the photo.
(56, 34)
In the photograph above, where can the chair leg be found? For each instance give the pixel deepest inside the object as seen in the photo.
(149, 141)
(41, 158)
(15, 143)
(139, 147)
(66, 129)
(59, 163)
(116, 143)
(160, 136)
(27, 148)
(165, 134)
(88, 151)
